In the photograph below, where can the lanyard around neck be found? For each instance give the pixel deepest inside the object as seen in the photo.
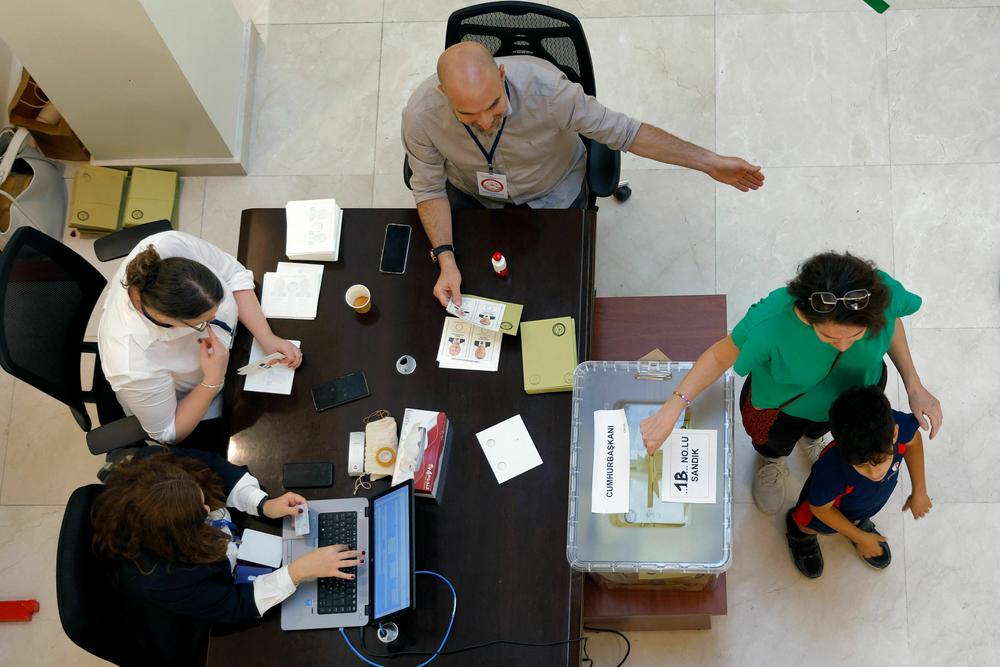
(496, 141)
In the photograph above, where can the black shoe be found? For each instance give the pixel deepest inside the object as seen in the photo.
(805, 549)
(878, 562)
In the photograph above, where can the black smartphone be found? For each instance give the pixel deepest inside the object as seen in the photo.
(339, 391)
(395, 248)
(307, 475)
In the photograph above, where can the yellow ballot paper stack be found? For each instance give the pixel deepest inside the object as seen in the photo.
(548, 353)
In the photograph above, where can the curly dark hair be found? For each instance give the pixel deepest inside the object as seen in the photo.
(840, 273)
(861, 423)
(153, 505)
(177, 287)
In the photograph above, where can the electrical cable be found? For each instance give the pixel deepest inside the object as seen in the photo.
(473, 647)
(447, 632)
(628, 644)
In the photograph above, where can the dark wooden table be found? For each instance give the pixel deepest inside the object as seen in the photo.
(503, 546)
(626, 328)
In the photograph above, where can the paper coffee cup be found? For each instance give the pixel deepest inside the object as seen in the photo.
(359, 298)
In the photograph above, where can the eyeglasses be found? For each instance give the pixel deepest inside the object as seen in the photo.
(826, 302)
(200, 327)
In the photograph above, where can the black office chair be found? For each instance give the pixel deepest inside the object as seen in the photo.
(101, 620)
(89, 609)
(48, 293)
(530, 29)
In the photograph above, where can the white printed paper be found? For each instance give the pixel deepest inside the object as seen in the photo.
(509, 449)
(468, 347)
(261, 548)
(293, 296)
(610, 485)
(483, 314)
(313, 229)
(689, 466)
(274, 380)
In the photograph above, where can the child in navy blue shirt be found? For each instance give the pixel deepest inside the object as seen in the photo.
(854, 477)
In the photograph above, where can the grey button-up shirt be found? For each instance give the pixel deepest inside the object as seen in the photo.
(539, 152)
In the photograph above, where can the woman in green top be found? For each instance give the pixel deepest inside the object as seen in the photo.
(800, 348)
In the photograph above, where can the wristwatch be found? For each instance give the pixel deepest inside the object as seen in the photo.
(260, 507)
(440, 249)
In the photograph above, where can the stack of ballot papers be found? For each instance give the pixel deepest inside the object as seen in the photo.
(292, 292)
(471, 339)
(264, 375)
(313, 231)
(468, 347)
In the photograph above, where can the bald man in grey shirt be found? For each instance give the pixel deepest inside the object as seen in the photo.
(495, 133)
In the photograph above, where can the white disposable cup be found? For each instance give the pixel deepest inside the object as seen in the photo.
(354, 293)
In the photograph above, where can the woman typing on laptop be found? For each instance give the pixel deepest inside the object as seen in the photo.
(162, 519)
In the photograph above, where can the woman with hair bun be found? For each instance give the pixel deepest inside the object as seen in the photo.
(164, 337)
(800, 348)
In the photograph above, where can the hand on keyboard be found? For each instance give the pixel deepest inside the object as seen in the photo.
(325, 562)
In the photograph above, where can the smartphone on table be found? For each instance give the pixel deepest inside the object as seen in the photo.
(395, 248)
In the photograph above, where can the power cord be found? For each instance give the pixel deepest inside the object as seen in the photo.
(447, 632)
(582, 640)
(628, 644)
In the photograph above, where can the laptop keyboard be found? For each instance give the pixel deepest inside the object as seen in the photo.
(336, 595)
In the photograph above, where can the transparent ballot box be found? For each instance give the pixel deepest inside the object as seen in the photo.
(656, 545)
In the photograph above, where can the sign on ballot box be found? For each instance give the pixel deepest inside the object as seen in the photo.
(611, 463)
(689, 466)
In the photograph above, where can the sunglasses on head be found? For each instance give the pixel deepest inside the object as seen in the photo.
(826, 302)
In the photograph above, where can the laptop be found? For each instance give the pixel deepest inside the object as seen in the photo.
(384, 585)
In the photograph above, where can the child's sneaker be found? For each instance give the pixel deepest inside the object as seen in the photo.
(768, 487)
(806, 553)
(878, 562)
(813, 447)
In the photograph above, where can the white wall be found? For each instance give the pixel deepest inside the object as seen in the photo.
(10, 75)
(125, 83)
(206, 40)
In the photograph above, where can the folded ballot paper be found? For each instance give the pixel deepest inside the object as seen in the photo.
(313, 230)
(292, 292)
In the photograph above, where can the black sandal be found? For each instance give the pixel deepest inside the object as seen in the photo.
(805, 549)
(877, 562)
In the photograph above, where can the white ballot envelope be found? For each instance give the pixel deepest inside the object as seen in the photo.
(689, 466)
(509, 449)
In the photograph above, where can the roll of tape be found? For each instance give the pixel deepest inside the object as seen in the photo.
(385, 456)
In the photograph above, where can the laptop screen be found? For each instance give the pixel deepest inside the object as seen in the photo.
(391, 548)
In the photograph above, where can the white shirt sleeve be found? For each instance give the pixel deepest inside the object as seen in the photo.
(273, 588)
(246, 495)
(154, 402)
(178, 244)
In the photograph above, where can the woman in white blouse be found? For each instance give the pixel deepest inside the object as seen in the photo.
(165, 334)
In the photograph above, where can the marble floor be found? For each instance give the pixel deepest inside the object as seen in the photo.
(878, 134)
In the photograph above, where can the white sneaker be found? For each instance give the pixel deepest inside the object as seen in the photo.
(769, 485)
(813, 447)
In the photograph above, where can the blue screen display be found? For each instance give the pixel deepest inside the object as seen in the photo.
(392, 552)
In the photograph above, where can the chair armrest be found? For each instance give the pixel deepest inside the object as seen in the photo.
(127, 432)
(603, 169)
(407, 172)
(121, 243)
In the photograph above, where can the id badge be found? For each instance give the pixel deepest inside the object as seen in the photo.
(492, 185)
